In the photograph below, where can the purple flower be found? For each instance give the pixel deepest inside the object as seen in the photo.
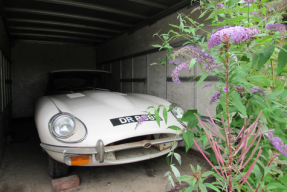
(191, 52)
(142, 119)
(167, 185)
(236, 34)
(215, 96)
(255, 14)
(250, 1)
(175, 72)
(219, 5)
(208, 85)
(225, 90)
(258, 90)
(277, 143)
(240, 89)
(277, 27)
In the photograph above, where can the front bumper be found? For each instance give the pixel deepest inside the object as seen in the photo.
(127, 153)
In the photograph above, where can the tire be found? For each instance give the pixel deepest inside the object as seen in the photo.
(56, 169)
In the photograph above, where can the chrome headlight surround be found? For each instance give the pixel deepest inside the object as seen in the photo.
(73, 120)
(177, 112)
(58, 120)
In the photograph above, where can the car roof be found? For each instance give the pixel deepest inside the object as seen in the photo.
(79, 70)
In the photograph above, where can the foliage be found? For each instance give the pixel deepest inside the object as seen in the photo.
(196, 182)
(248, 55)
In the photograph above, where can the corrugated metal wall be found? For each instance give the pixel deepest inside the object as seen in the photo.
(5, 86)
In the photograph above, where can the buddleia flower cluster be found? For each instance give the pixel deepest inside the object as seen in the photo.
(250, 1)
(142, 119)
(236, 34)
(277, 143)
(240, 90)
(258, 90)
(190, 52)
(225, 89)
(215, 96)
(277, 27)
(219, 5)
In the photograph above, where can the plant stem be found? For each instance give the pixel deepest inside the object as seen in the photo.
(227, 112)
(273, 74)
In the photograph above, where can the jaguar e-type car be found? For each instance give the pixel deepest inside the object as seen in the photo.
(82, 120)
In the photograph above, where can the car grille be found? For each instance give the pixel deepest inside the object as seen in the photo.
(139, 146)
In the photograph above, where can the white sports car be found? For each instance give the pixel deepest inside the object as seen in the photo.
(83, 121)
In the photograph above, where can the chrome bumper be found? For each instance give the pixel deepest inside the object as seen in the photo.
(101, 148)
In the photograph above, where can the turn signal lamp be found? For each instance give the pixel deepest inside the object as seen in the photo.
(78, 160)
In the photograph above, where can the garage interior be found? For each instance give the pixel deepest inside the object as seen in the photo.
(38, 36)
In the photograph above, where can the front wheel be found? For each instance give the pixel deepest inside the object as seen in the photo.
(56, 169)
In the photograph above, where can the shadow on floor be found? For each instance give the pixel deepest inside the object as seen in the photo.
(23, 168)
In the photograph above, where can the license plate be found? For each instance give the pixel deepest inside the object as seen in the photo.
(130, 119)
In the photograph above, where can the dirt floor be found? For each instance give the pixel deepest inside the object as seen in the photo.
(23, 169)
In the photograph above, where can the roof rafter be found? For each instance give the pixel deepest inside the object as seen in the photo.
(94, 7)
(66, 15)
(60, 31)
(63, 24)
(150, 4)
(54, 36)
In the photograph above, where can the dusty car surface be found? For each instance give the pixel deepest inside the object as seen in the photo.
(82, 120)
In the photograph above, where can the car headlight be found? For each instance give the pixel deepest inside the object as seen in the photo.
(178, 112)
(63, 125)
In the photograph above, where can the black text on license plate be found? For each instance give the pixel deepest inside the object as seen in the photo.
(130, 119)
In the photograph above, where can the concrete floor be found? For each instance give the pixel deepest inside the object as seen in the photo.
(23, 169)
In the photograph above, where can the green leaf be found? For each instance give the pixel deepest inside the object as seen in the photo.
(202, 187)
(192, 168)
(274, 94)
(232, 2)
(265, 55)
(189, 117)
(212, 156)
(164, 112)
(178, 157)
(187, 178)
(171, 180)
(276, 184)
(203, 76)
(202, 14)
(255, 58)
(188, 139)
(174, 26)
(213, 14)
(266, 170)
(175, 170)
(211, 187)
(192, 62)
(157, 117)
(207, 173)
(167, 173)
(282, 59)
(284, 179)
(235, 19)
(284, 94)
(264, 10)
(238, 103)
(173, 127)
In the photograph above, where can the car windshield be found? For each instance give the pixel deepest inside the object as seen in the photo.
(76, 81)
